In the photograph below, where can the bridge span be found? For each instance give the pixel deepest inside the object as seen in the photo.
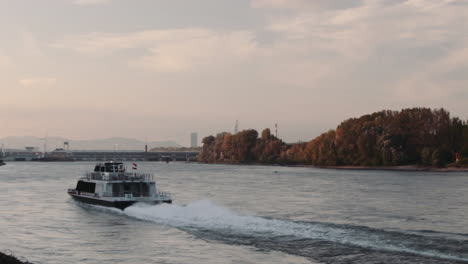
(105, 155)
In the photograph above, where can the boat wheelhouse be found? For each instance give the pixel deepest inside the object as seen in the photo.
(110, 185)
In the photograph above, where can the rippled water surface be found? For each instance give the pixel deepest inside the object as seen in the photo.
(239, 214)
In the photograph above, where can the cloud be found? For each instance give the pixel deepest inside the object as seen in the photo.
(5, 61)
(457, 57)
(304, 4)
(195, 50)
(168, 51)
(372, 46)
(308, 63)
(284, 4)
(418, 43)
(30, 46)
(90, 2)
(445, 77)
(33, 82)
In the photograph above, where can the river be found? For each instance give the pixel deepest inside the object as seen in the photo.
(239, 214)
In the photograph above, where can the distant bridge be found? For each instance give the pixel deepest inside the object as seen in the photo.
(109, 155)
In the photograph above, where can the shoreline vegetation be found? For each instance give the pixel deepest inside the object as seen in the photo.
(409, 168)
(399, 168)
(413, 139)
(10, 259)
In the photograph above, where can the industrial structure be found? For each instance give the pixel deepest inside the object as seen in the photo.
(26, 155)
(194, 140)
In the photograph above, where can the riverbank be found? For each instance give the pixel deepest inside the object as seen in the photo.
(366, 168)
(9, 259)
(395, 168)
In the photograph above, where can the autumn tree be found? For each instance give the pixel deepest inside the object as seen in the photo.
(386, 138)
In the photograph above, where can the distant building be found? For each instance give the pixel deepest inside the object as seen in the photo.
(31, 149)
(193, 140)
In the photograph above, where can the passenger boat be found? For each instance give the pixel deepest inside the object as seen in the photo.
(111, 186)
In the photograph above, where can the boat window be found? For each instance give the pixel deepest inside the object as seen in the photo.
(97, 168)
(145, 189)
(112, 167)
(88, 187)
(116, 189)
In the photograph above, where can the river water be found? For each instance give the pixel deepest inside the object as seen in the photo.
(239, 214)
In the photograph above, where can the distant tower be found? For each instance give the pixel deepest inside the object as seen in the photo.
(193, 140)
(236, 127)
(146, 145)
(66, 146)
(276, 130)
(45, 144)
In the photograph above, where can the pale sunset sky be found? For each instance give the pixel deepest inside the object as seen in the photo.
(86, 69)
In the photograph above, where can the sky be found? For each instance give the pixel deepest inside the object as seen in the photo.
(155, 69)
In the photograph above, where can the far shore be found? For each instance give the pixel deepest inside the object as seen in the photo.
(395, 168)
(349, 167)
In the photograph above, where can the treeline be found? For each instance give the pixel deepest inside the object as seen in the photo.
(243, 147)
(416, 136)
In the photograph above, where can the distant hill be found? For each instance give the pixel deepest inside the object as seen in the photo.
(93, 144)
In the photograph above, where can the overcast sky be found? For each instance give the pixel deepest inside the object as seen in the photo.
(87, 69)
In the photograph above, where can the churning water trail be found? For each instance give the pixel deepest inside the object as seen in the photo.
(310, 239)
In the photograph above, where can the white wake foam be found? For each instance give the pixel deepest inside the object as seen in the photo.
(206, 215)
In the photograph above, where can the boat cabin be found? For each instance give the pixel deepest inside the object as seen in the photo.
(110, 180)
(117, 189)
(109, 167)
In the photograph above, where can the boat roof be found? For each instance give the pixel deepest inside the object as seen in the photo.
(109, 167)
(115, 171)
(119, 176)
(110, 163)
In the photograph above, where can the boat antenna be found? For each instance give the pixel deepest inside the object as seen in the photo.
(116, 148)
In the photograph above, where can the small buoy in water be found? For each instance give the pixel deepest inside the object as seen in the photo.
(275, 172)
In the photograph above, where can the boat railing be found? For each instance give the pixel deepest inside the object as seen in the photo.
(135, 194)
(124, 194)
(165, 194)
(119, 176)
